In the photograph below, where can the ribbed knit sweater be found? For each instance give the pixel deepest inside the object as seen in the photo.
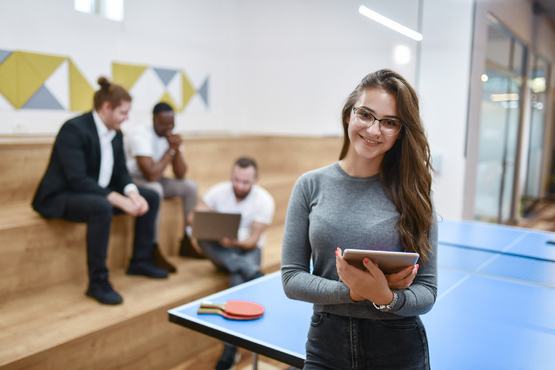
(330, 209)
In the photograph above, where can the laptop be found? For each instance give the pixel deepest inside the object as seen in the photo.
(210, 225)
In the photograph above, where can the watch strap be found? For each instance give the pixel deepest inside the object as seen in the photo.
(387, 307)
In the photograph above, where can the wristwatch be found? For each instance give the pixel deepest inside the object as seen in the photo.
(172, 152)
(387, 307)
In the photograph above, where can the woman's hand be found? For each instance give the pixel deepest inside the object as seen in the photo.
(370, 284)
(355, 297)
(402, 279)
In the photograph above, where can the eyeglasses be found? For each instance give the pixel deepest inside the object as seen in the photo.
(365, 119)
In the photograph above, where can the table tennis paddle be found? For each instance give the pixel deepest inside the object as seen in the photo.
(237, 307)
(217, 311)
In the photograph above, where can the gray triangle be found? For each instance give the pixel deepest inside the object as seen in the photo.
(3, 55)
(165, 75)
(43, 99)
(203, 91)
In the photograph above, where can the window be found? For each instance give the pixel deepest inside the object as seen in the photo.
(539, 78)
(110, 9)
(499, 125)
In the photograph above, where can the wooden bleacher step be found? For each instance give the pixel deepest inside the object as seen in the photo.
(46, 321)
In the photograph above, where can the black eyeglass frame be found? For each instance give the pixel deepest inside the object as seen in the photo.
(379, 121)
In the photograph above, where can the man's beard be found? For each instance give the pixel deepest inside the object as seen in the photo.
(241, 196)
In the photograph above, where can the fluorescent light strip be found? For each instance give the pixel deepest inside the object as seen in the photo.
(503, 97)
(389, 23)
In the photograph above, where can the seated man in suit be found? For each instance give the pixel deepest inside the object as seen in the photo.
(150, 149)
(87, 181)
(240, 257)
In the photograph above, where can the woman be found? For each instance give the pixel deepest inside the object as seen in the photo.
(376, 197)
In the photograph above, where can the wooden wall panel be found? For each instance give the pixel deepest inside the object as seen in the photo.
(46, 320)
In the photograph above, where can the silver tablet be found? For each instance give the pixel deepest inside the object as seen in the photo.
(388, 262)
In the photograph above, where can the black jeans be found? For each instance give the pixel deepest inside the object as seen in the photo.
(341, 342)
(97, 212)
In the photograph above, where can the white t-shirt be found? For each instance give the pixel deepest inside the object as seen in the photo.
(144, 142)
(257, 206)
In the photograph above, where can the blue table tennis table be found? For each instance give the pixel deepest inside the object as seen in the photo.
(495, 307)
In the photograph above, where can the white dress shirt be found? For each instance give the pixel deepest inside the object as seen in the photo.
(107, 155)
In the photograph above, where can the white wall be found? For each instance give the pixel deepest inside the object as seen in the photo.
(280, 67)
(171, 34)
(276, 67)
(297, 61)
(445, 69)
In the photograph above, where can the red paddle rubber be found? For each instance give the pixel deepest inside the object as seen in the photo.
(237, 307)
(217, 311)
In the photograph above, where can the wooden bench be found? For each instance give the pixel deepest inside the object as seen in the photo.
(46, 321)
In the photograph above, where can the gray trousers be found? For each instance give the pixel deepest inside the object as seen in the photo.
(241, 264)
(167, 187)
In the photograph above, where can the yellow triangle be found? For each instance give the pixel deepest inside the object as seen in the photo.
(188, 91)
(80, 91)
(44, 65)
(28, 80)
(166, 98)
(8, 76)
(23, 73)
(126, 74)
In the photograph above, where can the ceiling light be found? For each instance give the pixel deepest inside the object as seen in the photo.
(504, 97)
(401, 54)
(389, 23)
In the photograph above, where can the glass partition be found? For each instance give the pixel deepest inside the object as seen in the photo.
(499, 122)
(538, 96)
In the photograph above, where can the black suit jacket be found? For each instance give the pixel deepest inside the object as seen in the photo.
(75, 166)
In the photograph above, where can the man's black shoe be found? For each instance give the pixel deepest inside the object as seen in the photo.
(256, 275)
(103, 292)
(147, 269)
(159, 261)
(230, 358)
(188, 250)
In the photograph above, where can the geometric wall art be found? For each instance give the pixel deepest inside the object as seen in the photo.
(150, 85)
(52, 82)
(42, 81)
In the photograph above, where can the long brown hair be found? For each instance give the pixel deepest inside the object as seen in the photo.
(405, 171)
(111, 93)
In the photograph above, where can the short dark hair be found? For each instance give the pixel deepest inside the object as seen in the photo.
(161, 107)
(245, 162)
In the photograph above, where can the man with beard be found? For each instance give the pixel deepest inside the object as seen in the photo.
(240, 257)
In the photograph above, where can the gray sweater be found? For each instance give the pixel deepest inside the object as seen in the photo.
(330, 209)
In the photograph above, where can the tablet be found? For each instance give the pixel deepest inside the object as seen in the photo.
(210, 225)
(388, 262)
